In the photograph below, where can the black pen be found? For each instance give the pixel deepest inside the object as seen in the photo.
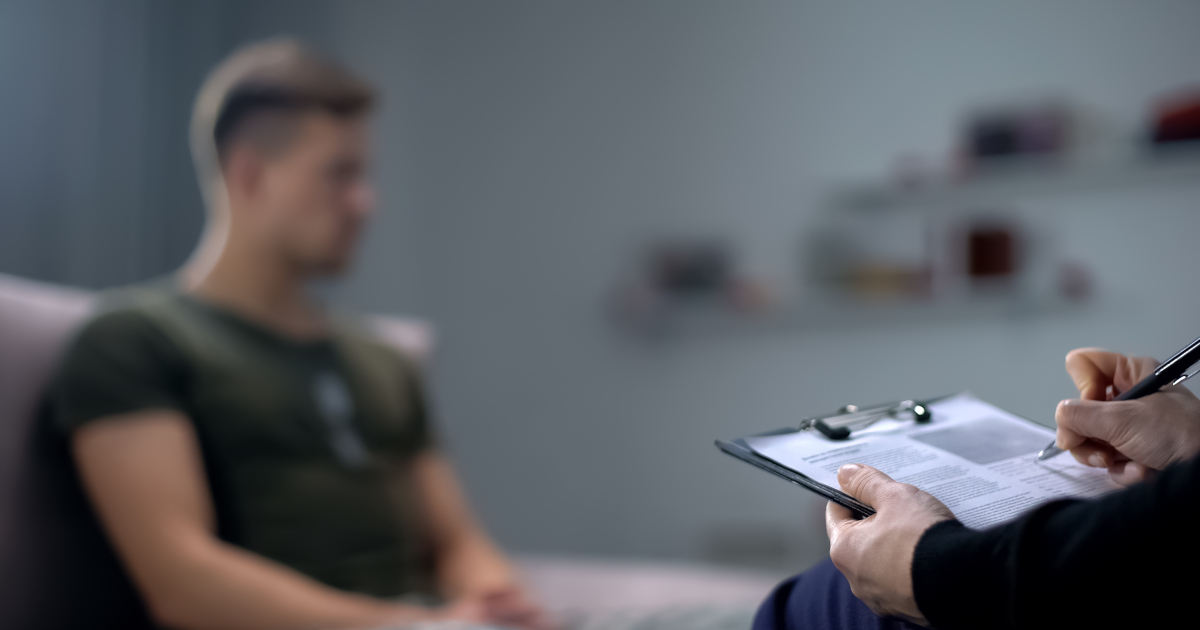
(1171, 372)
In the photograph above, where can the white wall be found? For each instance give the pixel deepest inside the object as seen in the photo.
(542, 142)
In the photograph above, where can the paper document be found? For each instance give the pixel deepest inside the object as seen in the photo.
(976, 458)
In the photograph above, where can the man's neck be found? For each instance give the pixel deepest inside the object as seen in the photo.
(249, 281)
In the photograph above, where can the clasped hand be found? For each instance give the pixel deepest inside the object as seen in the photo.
(1132, 439)
(502, 607)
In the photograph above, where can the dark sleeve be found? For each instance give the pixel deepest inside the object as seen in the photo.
(117, 363)
(1123, 560)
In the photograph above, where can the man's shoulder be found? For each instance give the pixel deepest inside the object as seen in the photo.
(364, 335)
(134, 299)
(128, 312)
(119, 360)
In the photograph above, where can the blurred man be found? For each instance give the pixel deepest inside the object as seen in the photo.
(256, 461)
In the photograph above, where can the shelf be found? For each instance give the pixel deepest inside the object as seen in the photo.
(833, 312)
(1003, 181)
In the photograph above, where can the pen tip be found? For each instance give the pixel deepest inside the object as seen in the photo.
(1047, 453)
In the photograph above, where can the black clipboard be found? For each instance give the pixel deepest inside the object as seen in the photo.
(847, 417)
(741, 450)
(844, 417)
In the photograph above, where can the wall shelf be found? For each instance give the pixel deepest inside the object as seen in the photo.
(825, 312)
(1000, 183)
(1003, 181)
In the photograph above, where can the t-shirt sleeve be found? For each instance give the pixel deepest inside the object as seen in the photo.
(119, 362)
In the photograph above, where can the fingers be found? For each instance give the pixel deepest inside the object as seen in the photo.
(507, 607)
(464, 610)
(1128, 473)
(510, 607)
(1092, 370)
(1131, 370)
(1096, 454)
(836, 517)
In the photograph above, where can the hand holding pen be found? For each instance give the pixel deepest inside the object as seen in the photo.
(1117, 424)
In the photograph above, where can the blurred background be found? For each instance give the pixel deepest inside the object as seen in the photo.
(641, 226)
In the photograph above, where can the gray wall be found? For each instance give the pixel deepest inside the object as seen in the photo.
(546, 140)
(528, 148)
(96, 180)
(96, 184)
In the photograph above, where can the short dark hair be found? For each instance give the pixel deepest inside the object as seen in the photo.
(270, 80)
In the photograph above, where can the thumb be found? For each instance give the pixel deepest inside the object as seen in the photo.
(864, 483)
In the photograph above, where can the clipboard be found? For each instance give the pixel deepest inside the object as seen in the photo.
(739, 449)
(841, 423)
(976, 457)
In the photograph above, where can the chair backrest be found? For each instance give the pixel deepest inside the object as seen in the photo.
(56, 567)
(35, 320)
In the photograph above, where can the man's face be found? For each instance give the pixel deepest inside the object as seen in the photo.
(314, 195)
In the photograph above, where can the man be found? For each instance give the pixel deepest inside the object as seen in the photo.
(1126, 560)
(255, 461)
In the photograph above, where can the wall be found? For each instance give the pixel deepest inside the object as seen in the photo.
(527, 149)
(96, 184)
(545, 141)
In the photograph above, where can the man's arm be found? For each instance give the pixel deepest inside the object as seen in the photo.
(470, 566)
(144, 475)
(468, 561)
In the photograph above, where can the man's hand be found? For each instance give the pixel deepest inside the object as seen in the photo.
(481, 584)
(508, 607)
(1131, 438)
(876, 553)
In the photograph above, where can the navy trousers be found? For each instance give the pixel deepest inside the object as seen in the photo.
(820, 598)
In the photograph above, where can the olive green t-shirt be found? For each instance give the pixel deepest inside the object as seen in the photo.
(308, 446)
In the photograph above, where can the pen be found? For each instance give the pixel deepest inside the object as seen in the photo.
(1171, 372)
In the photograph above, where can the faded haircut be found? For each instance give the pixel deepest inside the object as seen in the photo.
(256, 95)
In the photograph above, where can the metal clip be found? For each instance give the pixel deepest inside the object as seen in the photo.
(1185, 377)
(852, 418)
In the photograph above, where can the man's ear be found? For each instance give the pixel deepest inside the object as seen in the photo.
(243, 172)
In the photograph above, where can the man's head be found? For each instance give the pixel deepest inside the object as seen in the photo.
(279, 140)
